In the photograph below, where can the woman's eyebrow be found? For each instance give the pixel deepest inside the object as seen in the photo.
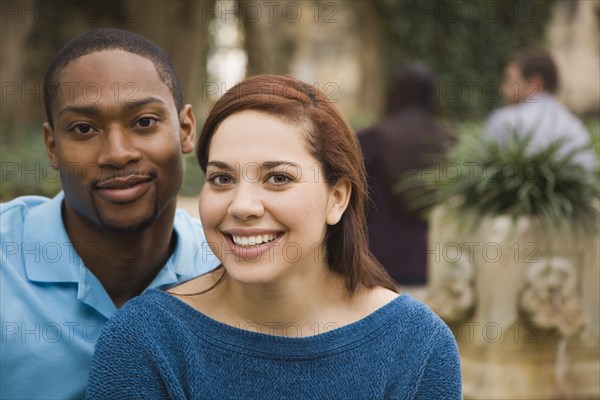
(273, 164)
(219, 165)
(265, 165)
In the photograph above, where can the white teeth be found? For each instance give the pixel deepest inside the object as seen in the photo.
(253, 240)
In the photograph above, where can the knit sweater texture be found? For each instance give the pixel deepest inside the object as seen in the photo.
(157, 347)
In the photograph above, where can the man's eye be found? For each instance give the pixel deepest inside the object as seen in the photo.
(83, 128)
(145, 122)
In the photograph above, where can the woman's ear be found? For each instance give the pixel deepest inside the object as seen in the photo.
(339, 197)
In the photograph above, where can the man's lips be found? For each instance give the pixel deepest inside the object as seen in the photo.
(124, 189)
(123, 182)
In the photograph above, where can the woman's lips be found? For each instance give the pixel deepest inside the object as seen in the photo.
(250, 252)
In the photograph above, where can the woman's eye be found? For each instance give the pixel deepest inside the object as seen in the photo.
(83, 128)
(278, 179)
(221, 180)
(146, 122)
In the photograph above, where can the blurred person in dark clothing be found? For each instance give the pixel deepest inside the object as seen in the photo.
(407, 142)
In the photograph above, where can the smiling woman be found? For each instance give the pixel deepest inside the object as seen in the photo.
(299, 308)
(264, 196)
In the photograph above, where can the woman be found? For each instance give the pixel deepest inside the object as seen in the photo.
(299, 308)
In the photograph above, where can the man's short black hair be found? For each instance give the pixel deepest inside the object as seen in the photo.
(532, 62)
(110, 39)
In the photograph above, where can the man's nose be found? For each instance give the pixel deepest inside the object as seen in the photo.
(118, 148)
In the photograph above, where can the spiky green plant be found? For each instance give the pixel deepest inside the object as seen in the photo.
(506, 178)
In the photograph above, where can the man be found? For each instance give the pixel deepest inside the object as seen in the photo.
(529, 86)
(117, 127)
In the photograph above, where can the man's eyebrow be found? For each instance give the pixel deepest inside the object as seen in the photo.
(129, 106)
(139, 103)
(88, 110)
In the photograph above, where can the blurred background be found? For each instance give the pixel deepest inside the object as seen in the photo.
(349, 49)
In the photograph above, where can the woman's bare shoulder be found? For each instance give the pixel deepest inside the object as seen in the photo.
(367, 301)
(378, 297)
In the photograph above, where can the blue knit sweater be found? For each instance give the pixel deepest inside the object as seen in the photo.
(157, 347)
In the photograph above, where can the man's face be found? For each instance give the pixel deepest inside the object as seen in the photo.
(117, 141)
(517, 89)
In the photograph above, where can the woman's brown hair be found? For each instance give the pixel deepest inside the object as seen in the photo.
(335, 147)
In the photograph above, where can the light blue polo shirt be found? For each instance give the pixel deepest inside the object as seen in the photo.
(53, 307)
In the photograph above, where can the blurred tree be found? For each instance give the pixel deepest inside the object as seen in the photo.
(181, 28)
(14, 33)
(368, 26)
(269, 40)
(336, 45)
(37, 29)
(466, 42)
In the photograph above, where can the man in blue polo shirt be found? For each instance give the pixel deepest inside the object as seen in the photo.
(117, 127)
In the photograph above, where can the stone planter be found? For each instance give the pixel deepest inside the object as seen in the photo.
(523, 304)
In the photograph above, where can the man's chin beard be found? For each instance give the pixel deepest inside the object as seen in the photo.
(133, 228)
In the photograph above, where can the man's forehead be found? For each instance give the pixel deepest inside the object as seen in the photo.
(102, 61)
(110, 76)
(512, 67)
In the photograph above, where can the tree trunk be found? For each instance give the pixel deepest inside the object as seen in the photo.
(269, 38)
(181, 29)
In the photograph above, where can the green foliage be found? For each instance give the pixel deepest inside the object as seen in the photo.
(496, 178)
(466, 42)
(593, 126)
(25, 167)
(193, 179)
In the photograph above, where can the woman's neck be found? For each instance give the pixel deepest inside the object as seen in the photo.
(298, 306)
(298, 301)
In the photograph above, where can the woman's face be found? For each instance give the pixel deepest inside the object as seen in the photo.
(265, 205)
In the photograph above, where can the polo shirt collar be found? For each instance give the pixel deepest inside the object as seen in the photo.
(181, 265)
(49, 256)
(47, 252)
